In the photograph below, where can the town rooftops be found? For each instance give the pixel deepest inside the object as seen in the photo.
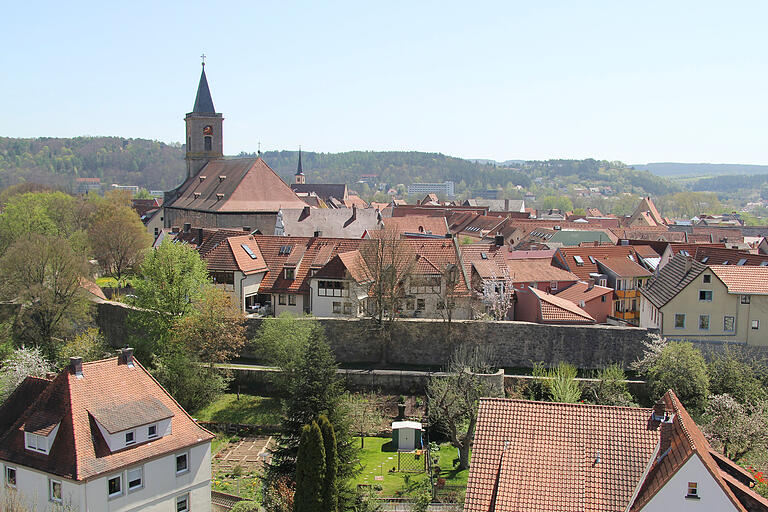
(582, 261)
(721, 256)
(333, 223)
(417, 224)
(583, 291)
(120, 394)
(537, 271)
(242, 185)
(623, 266)
(236, 253)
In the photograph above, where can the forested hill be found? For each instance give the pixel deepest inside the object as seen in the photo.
(156, 165)
(142, 162)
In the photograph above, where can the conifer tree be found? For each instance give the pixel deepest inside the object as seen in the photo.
(310, 470)
(330, 488)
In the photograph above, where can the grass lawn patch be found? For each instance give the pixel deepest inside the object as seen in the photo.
(250, 409)
(375, 461)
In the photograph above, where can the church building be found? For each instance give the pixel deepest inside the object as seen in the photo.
(219, 192)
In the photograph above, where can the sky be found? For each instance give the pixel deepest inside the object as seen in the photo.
(632, 81)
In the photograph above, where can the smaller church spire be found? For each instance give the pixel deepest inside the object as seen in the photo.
(203, 100)
(299, 169)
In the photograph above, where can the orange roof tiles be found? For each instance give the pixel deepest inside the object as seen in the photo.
(582, 291)
(742, 279)
(79, 451)
(556, 309)
(230, 254)
(537, 271)
(417, 224)
(566, 256)
(624, 267)
(537, 456)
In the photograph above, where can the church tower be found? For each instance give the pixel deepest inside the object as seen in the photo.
(204, 135)
(299, 179)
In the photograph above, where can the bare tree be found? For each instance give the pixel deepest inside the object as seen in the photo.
(119, 239)
(365, 413)
(454, 399)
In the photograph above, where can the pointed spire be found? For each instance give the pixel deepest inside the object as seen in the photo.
(203, 100)
(299, 170)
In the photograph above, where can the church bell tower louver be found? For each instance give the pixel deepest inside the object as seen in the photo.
(204, 129)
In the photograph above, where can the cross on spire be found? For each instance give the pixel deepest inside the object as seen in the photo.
(203, 57)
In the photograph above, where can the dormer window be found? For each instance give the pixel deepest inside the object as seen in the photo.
(130, 438)
(290, 273)
(152, 431)
(693, 491)
(40, 432)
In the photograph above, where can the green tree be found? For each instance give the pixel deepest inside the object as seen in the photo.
(330, 491)
(88, 344)
(44, 275)
(281, 340)
(562, 384)
(739, 429)
(192, 384)
(43, 213)
(611, 388)
(682, 368)
(310, 470)
(118, 239)
(730, 375)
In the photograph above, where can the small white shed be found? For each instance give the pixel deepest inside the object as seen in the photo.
(406, 435)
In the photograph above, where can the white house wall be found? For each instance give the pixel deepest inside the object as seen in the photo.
(160, 488)
(671, 497)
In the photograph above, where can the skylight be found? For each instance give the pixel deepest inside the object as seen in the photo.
(705, 259)
(764, 263)
(725, 262)
(592, 259)
(742, 261)
(285, 249)
(484, 255)
(684, 253)
(249, 251)
(579, 261)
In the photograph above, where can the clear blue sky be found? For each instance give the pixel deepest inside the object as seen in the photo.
(639, 82)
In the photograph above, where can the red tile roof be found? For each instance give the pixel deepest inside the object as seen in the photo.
(236, 185)
(581, 291)
(556, 309)
(718, 256)
(537, 271)
(538, 456)
(230, 254)
(79, 451)
(314, 253)
(743, 280)
(566, 257)
(624, 267)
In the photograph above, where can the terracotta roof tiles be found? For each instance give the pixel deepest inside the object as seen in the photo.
(743, 280)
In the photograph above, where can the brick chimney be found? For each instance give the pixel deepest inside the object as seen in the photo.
(667, 433)
(354, 211)
(688, 264)
(304, 213)
(590, 283)
(199, 237)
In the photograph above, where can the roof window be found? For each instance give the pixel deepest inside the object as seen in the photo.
(592, 260)
(579, 261)
(249, 251)
(705, 259)
(764, 263)
(742, 261)
(285, 249)
(484, 255)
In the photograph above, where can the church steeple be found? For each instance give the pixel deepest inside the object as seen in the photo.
(203, 100)
(299, 178)
(204, 129)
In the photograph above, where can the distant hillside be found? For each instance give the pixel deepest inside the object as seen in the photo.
(681, 169)
(156, 165)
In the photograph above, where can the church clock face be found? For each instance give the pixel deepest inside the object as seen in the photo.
(208, 130)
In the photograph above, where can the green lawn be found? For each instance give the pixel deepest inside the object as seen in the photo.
(111, 282)
(250, 409)
(375, 461)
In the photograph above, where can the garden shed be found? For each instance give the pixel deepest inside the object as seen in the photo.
(406, 435)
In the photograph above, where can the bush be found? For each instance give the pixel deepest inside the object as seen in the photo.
(681, 368)
(730, 375)
(611, 388)
(562, 384)
(246, 506)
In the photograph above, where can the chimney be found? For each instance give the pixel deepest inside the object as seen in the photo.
(127, 356)
(354, 211)
(688, 264)
(199, 237)
(76, 366)
(596, 243)
(590, 284)
(666, 433)
(304, 213)
(317, 233)
(499, 240)
(187, 227)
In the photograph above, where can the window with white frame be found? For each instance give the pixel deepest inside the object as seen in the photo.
(553, 285)
(755, 324)
(135, 479)
(115, 486)
(693, 490)
(332, 289)
(182, 503)
(130, 438)
(54, 490)
(152, 431)
(36, 442)
(10, 476)
(182, 463)
(425, 284)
